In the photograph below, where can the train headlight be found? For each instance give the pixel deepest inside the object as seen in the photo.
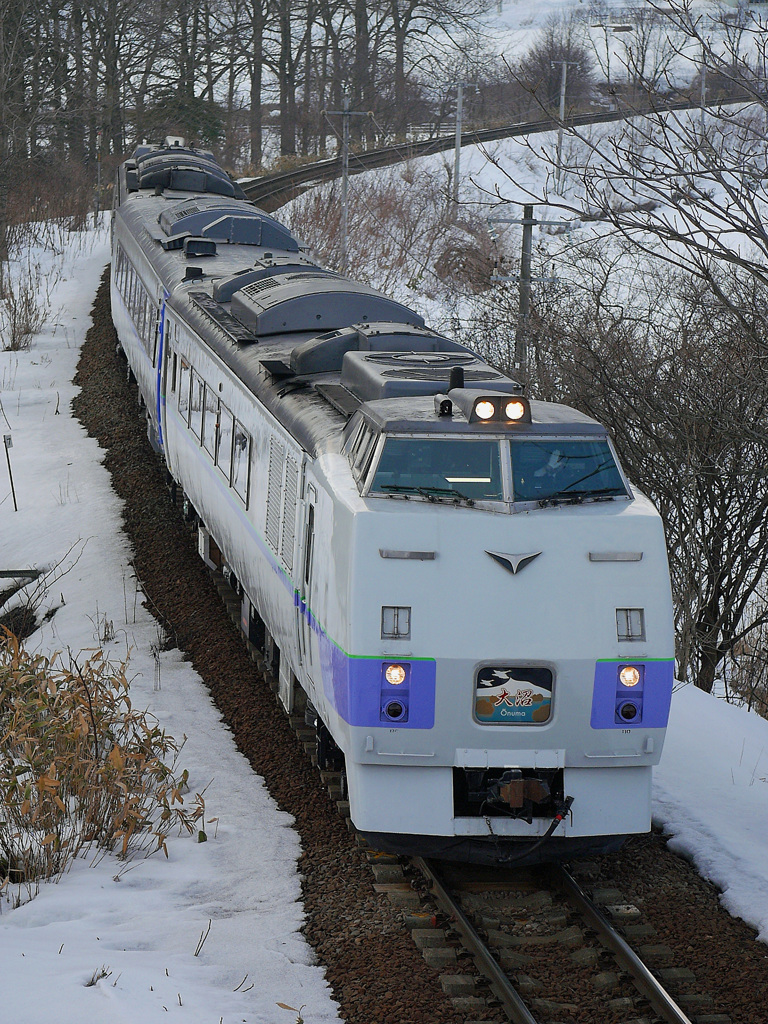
(629, 675)
(497, 408)
(395, 675)
(515, 410)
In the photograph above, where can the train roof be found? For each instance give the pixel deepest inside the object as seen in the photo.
(314, 346)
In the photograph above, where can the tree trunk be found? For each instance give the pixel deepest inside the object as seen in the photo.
(256, 58)
(287, 83)
(113, 120)
(76, 90)
(360, 75)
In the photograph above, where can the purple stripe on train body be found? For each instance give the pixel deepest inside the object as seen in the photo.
(653, 694)
(353, 686)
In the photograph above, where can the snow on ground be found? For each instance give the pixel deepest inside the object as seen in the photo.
(141, 925)
(711, 794)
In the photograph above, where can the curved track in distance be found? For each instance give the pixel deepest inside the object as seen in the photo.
(274, 190)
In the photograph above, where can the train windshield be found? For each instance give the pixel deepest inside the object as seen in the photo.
(562, 471)
(440, 468)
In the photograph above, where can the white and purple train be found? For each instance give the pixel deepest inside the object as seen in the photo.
(459, 582)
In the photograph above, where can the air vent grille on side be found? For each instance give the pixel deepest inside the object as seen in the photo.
(274, 493)
(438, 374)
(290, 497)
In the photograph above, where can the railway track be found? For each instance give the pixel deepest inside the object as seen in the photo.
(274, 190)
(559, 922)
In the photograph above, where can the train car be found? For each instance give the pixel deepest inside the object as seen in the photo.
(457, 581)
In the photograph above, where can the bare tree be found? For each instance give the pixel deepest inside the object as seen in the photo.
(540, 69)
(676, 370)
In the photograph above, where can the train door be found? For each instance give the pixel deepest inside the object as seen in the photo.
(304, 606)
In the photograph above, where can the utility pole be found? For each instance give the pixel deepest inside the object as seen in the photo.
(345, 113)
(460, 87)
(525, 280)
(563, 80)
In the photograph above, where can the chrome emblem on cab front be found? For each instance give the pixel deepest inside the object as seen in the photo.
(513, 563)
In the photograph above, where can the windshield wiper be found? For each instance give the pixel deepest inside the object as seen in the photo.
(435, 493)
(568, 497)
(430, 493)
(400, 488)
(599, 493)
(606, 464)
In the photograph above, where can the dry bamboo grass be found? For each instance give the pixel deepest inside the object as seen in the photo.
(81, 770)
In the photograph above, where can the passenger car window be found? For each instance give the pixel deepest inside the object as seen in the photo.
(209, 420)
(241, 458)
(224, 446)
(196, 405)
(184, 385)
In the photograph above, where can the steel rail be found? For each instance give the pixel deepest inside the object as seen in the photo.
(271, 187)
(661, 1001)
(510, 999)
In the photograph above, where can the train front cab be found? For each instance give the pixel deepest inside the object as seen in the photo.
(489, 702)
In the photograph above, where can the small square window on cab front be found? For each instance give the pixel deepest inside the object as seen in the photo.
(395, 623)
(630, 624)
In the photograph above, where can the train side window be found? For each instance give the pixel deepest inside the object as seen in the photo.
(129, 298)
(174, 361)
(365, 465)
(309, 544)
(138, 305)
(120, 269)
(150, 327)
(209, 420)
(364, 453)
(146, 333)
(354, 440)
(123, 271)
(224, 444)
(241, 460)
(157, 312)
(196, 405)
(184, 385)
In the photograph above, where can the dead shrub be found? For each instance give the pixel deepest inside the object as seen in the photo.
(81, 770)
(48, 198)
(466, 266)
(22, 314)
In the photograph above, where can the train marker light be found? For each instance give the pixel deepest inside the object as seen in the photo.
(629, 675)
(395, 675)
